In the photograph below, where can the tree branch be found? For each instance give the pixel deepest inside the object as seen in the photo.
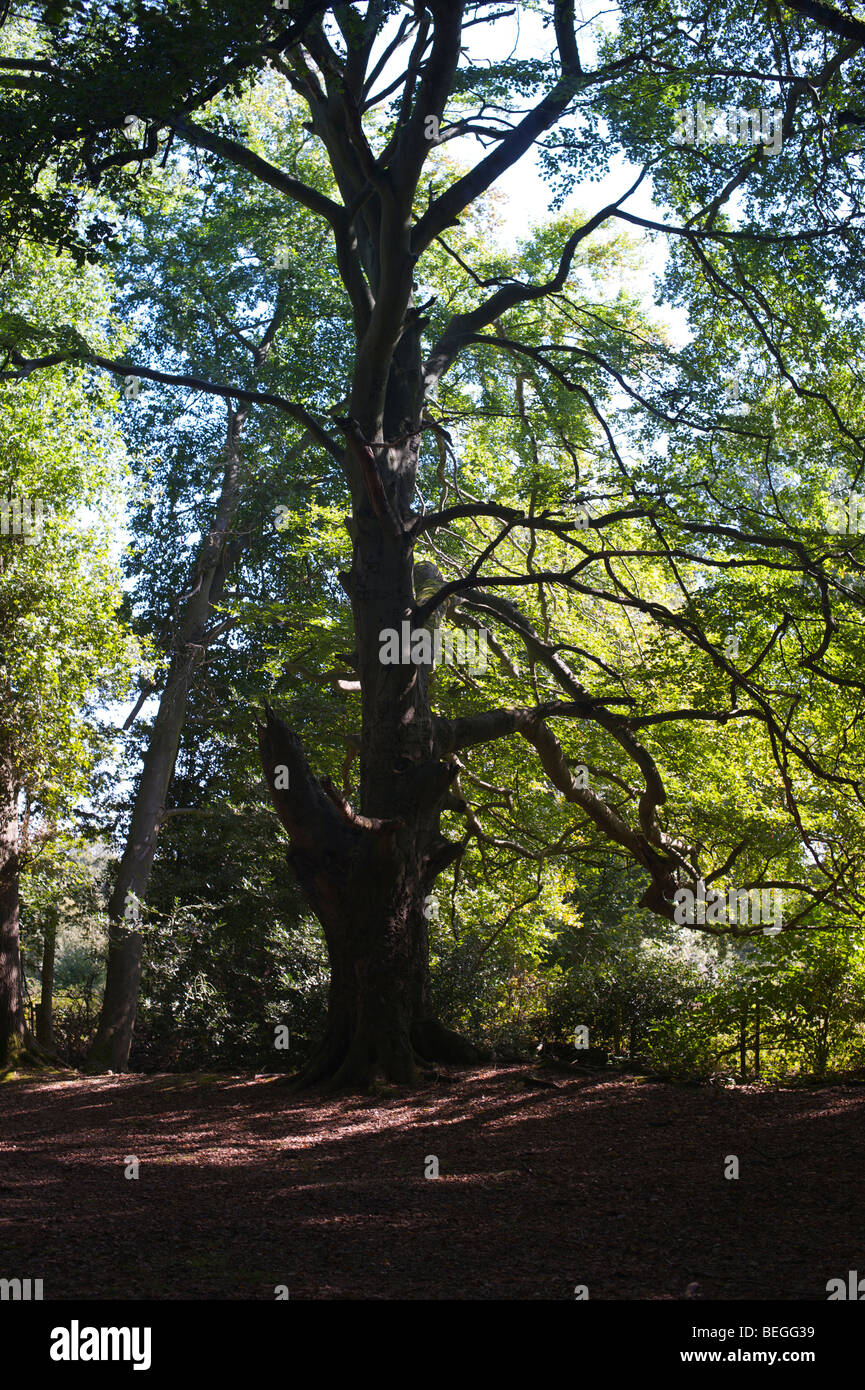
(297, 412)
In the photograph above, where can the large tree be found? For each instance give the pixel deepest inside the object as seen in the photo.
(708, 529)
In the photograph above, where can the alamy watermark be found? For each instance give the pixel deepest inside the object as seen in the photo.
(22, 516)
(852, 1289)
(420, 647)
(730, 125)
(132, 910)
(77, 1343)
(739, 905)
(132, 127)
(846, 515)
(733, 403)
(26, 517)
(20, 1290)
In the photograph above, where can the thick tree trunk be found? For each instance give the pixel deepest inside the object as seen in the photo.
(367, 879)
(12, 1029)
(368, 875)
(45, 1007)
(379, 1017)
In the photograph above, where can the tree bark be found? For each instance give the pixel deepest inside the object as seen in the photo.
(368, 873)
(367, 879)
(823, 1045)
(12, 1028)
(743, 1044)
(45, 1007)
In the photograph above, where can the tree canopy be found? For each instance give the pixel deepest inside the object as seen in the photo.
(651, 529)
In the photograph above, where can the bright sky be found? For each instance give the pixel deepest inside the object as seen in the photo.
(523, 35)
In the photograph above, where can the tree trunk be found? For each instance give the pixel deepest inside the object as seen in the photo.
(367, 879)
(757, 1040)
(110, 1048)
(743, 1044)
(45, 1007)
(823, 1045)
(12, 1029)
(368, 873)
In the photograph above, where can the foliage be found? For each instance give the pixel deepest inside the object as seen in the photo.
(569, 398)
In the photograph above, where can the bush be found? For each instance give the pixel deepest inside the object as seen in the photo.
(213, 992)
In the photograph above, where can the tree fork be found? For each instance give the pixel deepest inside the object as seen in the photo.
(367, 880)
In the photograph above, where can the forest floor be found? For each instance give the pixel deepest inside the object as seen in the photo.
(616, 1183)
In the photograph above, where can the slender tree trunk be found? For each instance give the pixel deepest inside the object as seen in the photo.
(45, 1007)
(757, 1040)
(823, 1045)
(110, 1048)
(743, 1044)
(12, 1028)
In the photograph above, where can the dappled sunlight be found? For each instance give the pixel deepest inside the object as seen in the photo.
(601, 1179)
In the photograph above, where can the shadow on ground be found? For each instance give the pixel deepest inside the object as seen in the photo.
(617, 1184)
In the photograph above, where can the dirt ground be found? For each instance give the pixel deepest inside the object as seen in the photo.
(615, 1183)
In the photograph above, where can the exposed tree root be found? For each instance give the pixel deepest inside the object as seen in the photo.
(436, 1043)
(393, 1058)
(24, 1056)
